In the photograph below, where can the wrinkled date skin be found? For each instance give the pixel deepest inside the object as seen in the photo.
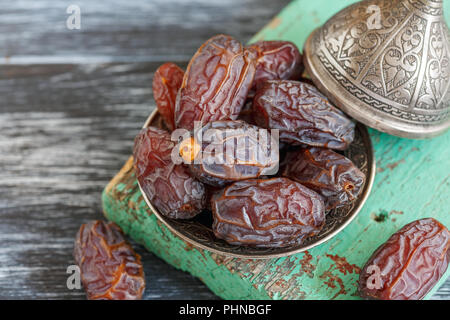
(302, 114)
(409, 264)
(328, 173)
(166, 83)
(168, 186)
(234, 150)
(216, 83)
(276, 60)
(110, 269)
(275, 212)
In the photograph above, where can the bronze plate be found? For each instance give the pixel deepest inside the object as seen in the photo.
(199, 233)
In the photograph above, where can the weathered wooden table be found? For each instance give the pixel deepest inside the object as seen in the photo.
(72, 102)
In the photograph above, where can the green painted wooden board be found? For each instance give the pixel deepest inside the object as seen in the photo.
(412, 182)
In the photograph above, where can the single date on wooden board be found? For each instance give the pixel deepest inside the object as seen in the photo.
(409, 264)
(110, 269)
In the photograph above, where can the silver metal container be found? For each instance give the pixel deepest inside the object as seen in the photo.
(386, 63)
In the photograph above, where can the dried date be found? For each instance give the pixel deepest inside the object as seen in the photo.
(168, 186)
(302, 115)
(328, 173)
(216, 83)
(276, 212)
(409, 264)
(110, 269)
(230, 151)
(166, 83)
(276, 60)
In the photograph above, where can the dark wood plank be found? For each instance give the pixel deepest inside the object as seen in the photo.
(66, 129)
(156, 30)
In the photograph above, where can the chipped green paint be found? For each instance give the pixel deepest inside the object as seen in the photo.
(412, 182)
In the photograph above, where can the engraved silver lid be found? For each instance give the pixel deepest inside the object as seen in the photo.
(386, 63)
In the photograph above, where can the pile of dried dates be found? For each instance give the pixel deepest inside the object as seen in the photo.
(245, 139)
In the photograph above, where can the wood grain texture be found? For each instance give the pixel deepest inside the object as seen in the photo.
(126, 31)
(411, 183)
(68, 118)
